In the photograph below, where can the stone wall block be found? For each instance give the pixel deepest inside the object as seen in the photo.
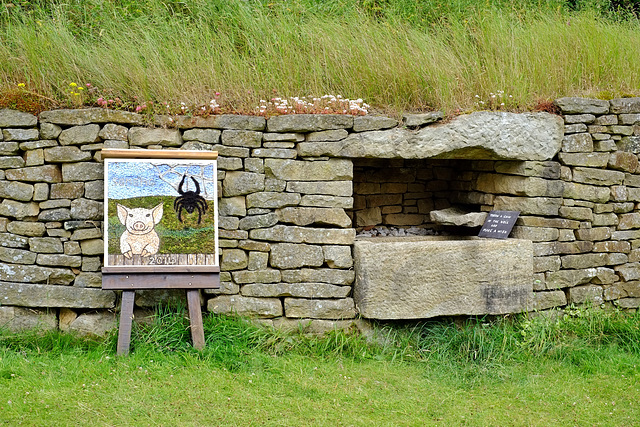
(25, 228)
(258, 221)
(92, 247)
(314, 216)
(584, 260)
(529, 206)
(322, 201)
(300, 290)
(15, 190)
(546, 300)
(629, 271)
(9, 148)
(594, 160)
(45, 245)
(297, 170)
(241, 183)
(143, 137)
(13, 118)
(245, 306)
(33, 295)
(233, 259)
(322, 275)
(630, 144)
(309, 122)
(66, 154)
(20, 134)
(87, 209)
(577, 143)
(597, 176)
(257, 276)
(18, 210)
(208, 136)
(586, 294)
(369, 123)
(290, 255)
(294, 234)
(19, 319)
(623, 161)
(272, 199)
(338, 256)
(593, 234)
(46, 173)
(625, 105)
(591, 193)
(572, 105)
(320, 309)
(79, 135)
(242, 138)
(82, 172)
(17, 256)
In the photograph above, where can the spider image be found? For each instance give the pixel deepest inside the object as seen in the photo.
(189, 201)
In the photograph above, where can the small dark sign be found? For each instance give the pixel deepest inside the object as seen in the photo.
(498, 224)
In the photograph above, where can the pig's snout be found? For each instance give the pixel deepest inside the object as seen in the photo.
(138, 226)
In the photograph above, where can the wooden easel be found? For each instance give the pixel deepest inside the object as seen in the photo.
(190, 278)
(198, 273)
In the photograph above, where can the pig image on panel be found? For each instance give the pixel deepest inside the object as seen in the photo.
(140, 237)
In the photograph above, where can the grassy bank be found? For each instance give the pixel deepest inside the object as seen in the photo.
(398, 55)
(580, 370)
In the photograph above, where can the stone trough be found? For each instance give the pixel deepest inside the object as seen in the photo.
(427, 276)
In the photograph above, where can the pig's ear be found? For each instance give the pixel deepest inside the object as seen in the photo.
(122, 213)
(157, 213)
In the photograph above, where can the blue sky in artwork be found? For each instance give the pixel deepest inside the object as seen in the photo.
(140, 179)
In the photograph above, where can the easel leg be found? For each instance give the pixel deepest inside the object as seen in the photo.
(126, 318)
(195, 318)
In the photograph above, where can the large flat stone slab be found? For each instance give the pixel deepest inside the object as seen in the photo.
(423, 277)
(485, 135)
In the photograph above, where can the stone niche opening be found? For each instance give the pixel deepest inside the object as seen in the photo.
(397, 197)
(412, 265)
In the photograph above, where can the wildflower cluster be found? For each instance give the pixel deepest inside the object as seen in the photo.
(326, 104)
(495, 101)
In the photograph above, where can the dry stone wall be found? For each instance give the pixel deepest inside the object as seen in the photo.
(292, 193)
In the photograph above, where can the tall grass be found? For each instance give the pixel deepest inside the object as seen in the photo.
(396, 54)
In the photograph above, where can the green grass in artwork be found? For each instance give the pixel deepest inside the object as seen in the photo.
(186, 237)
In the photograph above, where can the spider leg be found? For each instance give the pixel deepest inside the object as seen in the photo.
(175, 203)
(197, 185)
(199, 214)
(202, 202)
(180, 190)
(180, 213)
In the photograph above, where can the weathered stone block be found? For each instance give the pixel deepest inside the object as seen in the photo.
(367, 123)
(257, 276)
(79, 135)
(208, 136)
(433, 276)
(87, 209)
(9, 148)
(13, 118)
(629, 271)
(67, 154)
(242, 138)
(272, 199)
(594, 160)
(240, 183)
(290, 255)
(82, 172)
(320, 309)
(16, 191)
(314, 216)
(30, 295)
(275, 153)
(294, 234)
(297, 170)
(18, 210)
(529, 206)
(309, 122)
(245, 306)
(593, 234)
(584, 261)
(322, 201)
(143, 137)
(31, 228)
(92, 247)
(17, 256)
(323, 275)
(535, 234)
(597, 176)
(623, 161)
(59, 260)
(546, 300)
(45, 245)
(625, 105)
(46, 173)
(19, 319)
(258, 221)
(338, 256)
(586, 294)
(300, 290)
(577, 143)
(20, 134)
(233, 259)
(573, 105)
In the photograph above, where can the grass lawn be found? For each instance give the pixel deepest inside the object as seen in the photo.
(499, 373)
